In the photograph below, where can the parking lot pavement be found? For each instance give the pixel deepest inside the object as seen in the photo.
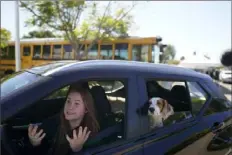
(226, 89)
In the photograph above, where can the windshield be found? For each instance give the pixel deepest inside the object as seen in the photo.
(17, 80)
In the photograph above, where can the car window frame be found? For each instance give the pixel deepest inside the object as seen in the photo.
(164, 129)
(207, 101)
(78, 76)
(160, 132)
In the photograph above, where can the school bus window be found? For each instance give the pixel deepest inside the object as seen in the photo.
(3, 53)
(121, 52)
(93, 52)
(106, 51)
(11, 52)
(46, 51)
(56, 52)
(67, 52)
(37, 51)
(81, 52)
(27, 51)
(140, 52)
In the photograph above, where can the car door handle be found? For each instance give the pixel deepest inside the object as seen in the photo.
(217, 126)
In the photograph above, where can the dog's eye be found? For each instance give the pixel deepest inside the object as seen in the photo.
(159, 103)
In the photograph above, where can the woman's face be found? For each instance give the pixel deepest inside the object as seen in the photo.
(74, 108)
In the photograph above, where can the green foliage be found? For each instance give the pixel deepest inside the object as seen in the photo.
(65, 16)
(41, 34)
(5, 37)
(168, 54)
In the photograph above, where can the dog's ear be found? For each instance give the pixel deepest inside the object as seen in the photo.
(169, 110)
(144, 109)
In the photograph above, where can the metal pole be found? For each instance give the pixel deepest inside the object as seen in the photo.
(154, 46)
(17, 39)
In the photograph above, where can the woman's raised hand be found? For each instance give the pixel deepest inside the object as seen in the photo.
(77, 142)
(35, 136)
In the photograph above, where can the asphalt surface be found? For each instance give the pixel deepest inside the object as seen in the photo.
(226, 88)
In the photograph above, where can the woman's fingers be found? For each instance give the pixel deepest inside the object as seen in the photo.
(74, 134)
(41, 138)
(68, 138)
(87, 135)
(34, 130)
(30, 129)
(85, 131)
(37, 135)
(80, 132)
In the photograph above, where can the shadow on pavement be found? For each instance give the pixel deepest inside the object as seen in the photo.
(225, 90)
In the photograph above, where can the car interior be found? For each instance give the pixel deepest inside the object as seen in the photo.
(177, 96)
(111, 124)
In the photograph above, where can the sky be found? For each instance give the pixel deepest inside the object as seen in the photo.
(201, 26)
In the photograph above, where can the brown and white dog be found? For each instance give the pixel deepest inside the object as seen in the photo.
(158, 111)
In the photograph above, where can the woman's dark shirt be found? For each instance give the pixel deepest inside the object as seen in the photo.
(50, 127)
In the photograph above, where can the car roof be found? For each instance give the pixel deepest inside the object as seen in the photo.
(124, 65)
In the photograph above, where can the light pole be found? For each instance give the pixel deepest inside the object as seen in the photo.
(158, 42)
(17, 39)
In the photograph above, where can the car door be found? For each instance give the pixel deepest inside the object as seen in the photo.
(175, 137)
(161, 140)
(50, 85)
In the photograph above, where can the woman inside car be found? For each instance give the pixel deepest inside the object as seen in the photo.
(68, 132)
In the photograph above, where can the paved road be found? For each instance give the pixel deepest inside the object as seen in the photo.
(226, 89)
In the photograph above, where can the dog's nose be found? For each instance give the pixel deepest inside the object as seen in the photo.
(151, 109)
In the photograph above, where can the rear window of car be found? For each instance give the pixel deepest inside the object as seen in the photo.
(17, 80)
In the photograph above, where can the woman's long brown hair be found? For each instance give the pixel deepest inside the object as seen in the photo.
(61, 145)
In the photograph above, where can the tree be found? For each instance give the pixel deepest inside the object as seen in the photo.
(226, 58)
(65, 16)
(169, 53)
(5, 37)
(41, 34)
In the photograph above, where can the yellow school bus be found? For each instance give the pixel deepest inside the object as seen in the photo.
(39, 51)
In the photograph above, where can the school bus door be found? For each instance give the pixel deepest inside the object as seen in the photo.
(26, 56)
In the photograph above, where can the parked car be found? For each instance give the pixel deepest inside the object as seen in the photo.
(210, 71)
(216, 73)
(225, 75)
(201, 122)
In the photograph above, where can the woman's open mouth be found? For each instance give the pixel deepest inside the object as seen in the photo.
(70, 113)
